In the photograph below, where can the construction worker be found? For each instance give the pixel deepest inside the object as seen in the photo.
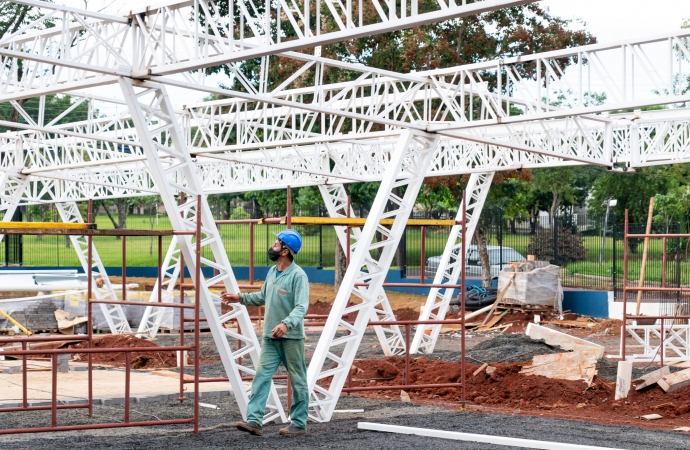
(286, 296)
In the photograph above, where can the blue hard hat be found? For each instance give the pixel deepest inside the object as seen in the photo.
(291, 239)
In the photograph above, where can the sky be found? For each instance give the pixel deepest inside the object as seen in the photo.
(608, 20)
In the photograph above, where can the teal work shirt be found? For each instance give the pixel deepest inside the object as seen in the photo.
(286, 297)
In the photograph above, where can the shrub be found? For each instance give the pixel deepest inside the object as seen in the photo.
(239, 214)
(571, 247)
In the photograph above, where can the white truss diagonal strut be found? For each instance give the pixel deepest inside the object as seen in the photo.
(151, 106)
(391, 339)
(11, 191)
(369, 264)
(103, 290)
(170, 270)
(450, 266)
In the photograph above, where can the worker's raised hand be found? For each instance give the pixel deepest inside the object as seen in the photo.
(228, 298)
(279, 331)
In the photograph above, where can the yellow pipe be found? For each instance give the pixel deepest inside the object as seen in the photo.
(19, 325)
(48, 225)
(359, 221)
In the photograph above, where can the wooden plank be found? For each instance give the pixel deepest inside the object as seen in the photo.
(478, 371)
(675, 381)
(499, 298)
(571, 323)
(578, 365)
(652, 378)
(565, 341)
(494, 320)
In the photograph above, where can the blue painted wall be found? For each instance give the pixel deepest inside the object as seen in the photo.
(588, 303)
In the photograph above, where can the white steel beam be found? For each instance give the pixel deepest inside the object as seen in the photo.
(369, 263)
(150, 105)
(103, 289)
(450, 265)
(391, 339)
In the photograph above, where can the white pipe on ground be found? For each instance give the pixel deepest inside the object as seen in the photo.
(483, 438)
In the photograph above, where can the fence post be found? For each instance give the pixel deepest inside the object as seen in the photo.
(500, 239)
(555, 240)
(615, 261)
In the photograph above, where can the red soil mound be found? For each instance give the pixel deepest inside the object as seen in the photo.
(154, 359)
(506, 390)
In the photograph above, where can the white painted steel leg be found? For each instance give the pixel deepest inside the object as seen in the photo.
(154, 118)
(390, 337)
(170, 271)
(114, 314)
(449, 269)
(369, 263)
(11, 191)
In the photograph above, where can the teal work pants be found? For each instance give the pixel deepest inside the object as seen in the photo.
(291, 353)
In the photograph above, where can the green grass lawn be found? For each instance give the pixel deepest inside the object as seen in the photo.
(319, 250)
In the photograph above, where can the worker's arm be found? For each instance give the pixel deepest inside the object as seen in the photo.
(255, 298)
(301, 290)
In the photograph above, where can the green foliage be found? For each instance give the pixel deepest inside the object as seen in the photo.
(239, 214)
(571, 246)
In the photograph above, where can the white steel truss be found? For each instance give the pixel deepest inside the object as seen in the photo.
(450, 266)
(161, 40)
(102, 287)
(369, 264)
(391, 339)
(676, 342)
(151, 106)
(170, 271)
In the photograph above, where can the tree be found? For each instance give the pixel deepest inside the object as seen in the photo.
(121, 209)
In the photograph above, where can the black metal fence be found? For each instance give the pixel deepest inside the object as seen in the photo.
(588, 248)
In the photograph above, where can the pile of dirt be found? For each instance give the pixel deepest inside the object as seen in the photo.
(504, 389)
(510, 348)
(154, 359)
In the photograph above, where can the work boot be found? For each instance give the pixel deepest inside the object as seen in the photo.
(292, 431)
(250, 427)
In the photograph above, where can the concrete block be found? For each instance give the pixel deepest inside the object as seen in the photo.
(12, 370)
(40, 403)
(623, 379)
(147, 399)
(652, 378)
(209, 394)
(675, 381)
(10, 405)
(78, 368)
(565, 341)
(113, 401)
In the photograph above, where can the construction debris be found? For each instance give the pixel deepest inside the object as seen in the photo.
(563, 340)
(405, 397)
(578, 365)
(510, 348)
(651, 417)
(623, 378)
(481, 368)
(675, 381)
(652, 378)
(572, 323)
(67, 321)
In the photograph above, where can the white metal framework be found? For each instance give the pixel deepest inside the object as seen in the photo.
(150, 105)
(676, 342)
(382, 126)
(450, 266)
(369, 263)
(391, 339)
(103, 290)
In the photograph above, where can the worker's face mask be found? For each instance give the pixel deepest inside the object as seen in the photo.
(272, 254)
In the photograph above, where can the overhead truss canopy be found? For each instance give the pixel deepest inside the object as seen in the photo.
(542, 110)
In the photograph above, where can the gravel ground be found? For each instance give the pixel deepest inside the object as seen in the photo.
(341, 433)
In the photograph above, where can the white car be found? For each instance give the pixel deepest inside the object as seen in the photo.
(473, 267)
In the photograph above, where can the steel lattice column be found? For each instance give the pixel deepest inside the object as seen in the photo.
(11, 191)
(369, 263)
(114, 315)
(153, 115)
(450, 267)
(390, 337)
(170, 270)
